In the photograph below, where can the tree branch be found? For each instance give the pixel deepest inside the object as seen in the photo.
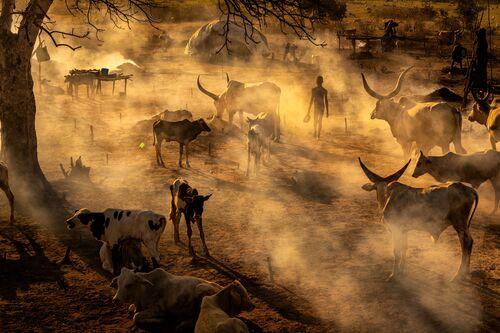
(8, 7)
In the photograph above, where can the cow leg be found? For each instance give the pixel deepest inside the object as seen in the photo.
(231, 116)
(153, 251)
(181, 148)
(116, 259)
(177, 221)
(457, 143)
(10, 197)
(242, 123)
(187, 156)
(149, 317)
(189, 233)
(159, 159)
(199, 223)
(496, 186)
(404, 250)
(466, 242)
(257, 162)
(397, 243)
(248, 161)
(493, 143)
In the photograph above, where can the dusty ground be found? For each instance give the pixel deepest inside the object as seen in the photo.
(304, 219)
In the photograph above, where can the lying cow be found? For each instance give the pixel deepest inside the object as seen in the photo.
(186, 200)
(177, 115)
(114, 225)
(218, 311)
(430, 209)
(258, 140)
(158, 296)
(182, 132)
(4, 185)
(474, 169)
(488, 115)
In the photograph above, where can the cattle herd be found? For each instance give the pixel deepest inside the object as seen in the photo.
(418, 123)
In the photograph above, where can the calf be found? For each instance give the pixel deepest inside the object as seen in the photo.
(430, 209)
(474, 169)
(158, 295)
(268, 122)
(488, 115)
(4, 185)
(217, 311)
(129, 255)
(186, 200)
(182, 132)
(259, 139)
(114, 225)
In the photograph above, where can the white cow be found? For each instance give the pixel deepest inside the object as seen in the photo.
(157, 295)
(114, 225)
(217, 311)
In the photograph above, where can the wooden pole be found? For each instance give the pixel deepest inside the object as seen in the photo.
(126, 87)
(345, 123)
(92, 133)
(113, 92)
(107, 158)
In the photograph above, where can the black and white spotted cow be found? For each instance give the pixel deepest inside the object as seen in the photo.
(114, 225)
(187, 201)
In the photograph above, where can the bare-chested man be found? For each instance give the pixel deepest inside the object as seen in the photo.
(319, 96)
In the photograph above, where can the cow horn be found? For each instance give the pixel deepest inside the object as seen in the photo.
(397, 89)
(206, 92)
(477, 99)
(372, 176)
(397, 175)
(369, 90)
(227, 77)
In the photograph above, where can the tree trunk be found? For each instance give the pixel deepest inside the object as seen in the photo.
(17, 116)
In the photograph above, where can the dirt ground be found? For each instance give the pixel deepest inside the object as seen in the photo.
(304, 220)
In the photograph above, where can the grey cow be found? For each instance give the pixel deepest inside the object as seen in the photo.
(182, 132)
(430, 209)
(474, 169)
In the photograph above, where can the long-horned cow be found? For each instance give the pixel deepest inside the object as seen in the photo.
(430, 209)
(488, 115)
(474, 169)
(252, 98)
(426, 124)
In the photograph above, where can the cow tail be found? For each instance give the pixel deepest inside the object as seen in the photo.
(476, 202)
(154, 136)
(172, 205)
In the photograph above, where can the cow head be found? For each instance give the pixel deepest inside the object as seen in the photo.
(379, 183)
(196, 203)
(129, 284)
(480, 109)
(219, 101)
(386, 107)
(423, 165)
(234, 299)
(81, 216)
(203, 125)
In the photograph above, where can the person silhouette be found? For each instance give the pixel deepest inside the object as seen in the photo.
(319, 96)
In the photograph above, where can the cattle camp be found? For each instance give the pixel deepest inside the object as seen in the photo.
(249, 166)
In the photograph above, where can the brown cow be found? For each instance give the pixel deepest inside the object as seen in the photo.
(430, 209)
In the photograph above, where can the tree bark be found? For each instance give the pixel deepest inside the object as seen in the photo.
(17, 115)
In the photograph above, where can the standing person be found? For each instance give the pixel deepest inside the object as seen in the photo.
(457, 55)
(319, 96)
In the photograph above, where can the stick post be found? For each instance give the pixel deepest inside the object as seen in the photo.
(92, 133)
(345, 123)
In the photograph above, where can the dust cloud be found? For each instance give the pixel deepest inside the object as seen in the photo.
(305, 218)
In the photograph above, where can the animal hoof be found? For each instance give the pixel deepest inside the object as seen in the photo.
(206, 253)
(191, 252)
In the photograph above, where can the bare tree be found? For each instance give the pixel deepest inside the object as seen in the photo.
(22, 21)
